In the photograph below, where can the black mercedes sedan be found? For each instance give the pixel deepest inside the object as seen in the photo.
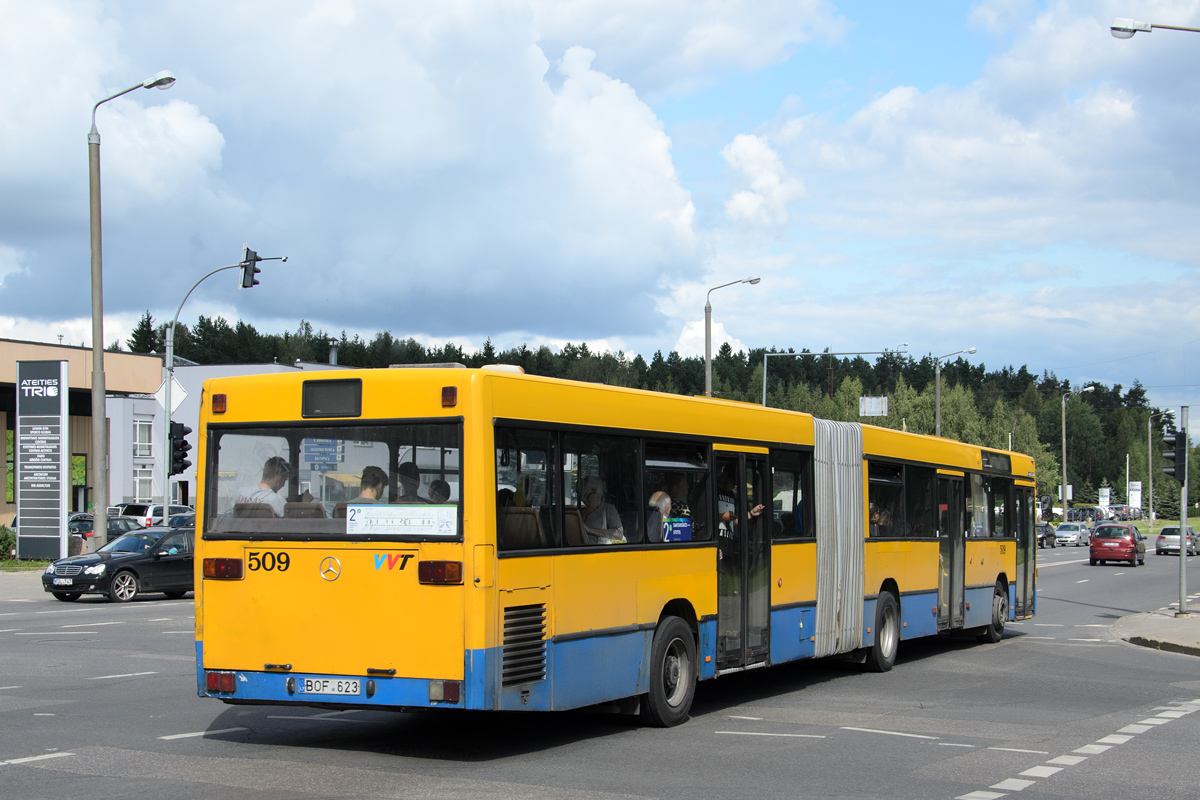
(146, 560)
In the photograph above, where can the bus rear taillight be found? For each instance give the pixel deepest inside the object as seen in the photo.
(223, 569)
(444, 691)
(223, 682)
(439, 571)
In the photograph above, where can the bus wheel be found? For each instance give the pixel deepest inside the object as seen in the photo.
(994, 632)
(672, 675)
(882, 654)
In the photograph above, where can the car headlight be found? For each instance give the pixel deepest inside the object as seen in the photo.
(97, 569)
(50, 570)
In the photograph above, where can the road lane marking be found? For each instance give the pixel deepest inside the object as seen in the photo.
(980, 796)
(9, 630)
(1018, 750)
(954, 744)
(1092, 749)
(1041, 772)
(1013, 784)
(1134, 729)
(1114, 739)
(890, 733)
(1085, 580)
(2, 688)
(1091, 625)
(1062, 563)
(723, 733)
(43, 714)
(734, 716)
(1067, 761)
(160, 619)
(200, 733)
(1048, 625)
(187, 631)
(1153, 721)
(92, 624)
(1085, 640)
(123, 675)
(54, 633)
(27, 759)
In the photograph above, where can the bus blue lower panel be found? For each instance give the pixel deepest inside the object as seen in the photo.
(792, 630)
(918, 615)
(979, 606)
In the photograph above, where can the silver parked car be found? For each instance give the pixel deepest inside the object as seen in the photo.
(1075, 533)
(1168, 541)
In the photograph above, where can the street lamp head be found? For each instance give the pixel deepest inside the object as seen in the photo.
(752, 279)
(970, 351)
(1122, 28)
(1087, 389)
(162, 80)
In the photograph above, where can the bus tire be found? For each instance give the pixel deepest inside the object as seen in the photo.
(994, 631)
(882, 654)
(672, 675)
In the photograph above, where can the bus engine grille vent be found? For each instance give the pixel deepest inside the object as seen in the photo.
(524, 644)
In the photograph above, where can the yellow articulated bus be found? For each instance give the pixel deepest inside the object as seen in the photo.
(483, 539)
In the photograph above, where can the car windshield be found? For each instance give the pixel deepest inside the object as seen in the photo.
(1112, 533)
(132, 543)
(1068, 526)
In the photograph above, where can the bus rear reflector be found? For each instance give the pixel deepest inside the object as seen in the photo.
(218, 404)
(439, 571)
(449, 396)
(223, 569)
(221, 682)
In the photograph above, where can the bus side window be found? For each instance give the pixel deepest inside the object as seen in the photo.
(600, 485)
(526, 497)
(791, 484)
(886, 498)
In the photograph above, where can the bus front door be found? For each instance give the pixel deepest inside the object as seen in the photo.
(1026, 594)
(743, 561)
(951, 549)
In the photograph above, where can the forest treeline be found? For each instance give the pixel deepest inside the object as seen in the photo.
(1107, 428)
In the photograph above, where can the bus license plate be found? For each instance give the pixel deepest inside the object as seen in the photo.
(329, 686)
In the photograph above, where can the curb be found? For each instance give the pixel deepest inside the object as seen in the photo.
(1170, 647)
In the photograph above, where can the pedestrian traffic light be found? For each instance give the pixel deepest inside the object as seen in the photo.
(250, 267)
(179, 448)
(1176, 450)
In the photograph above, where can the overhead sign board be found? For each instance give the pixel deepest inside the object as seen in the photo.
(43, 459)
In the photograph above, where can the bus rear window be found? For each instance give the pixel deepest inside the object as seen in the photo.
(361, 481)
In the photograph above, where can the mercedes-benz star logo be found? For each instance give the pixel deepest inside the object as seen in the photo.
(330, 568)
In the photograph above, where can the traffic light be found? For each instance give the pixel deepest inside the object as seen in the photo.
(250, 267)
(179, 448)
(1176, 450)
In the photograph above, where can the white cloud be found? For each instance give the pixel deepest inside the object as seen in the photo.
(691, 339)
(678, 45)
(770, 188)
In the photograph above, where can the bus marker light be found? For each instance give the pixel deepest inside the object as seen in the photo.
(439, 571)
(444, 691)
(291, 685)
(449, 396)
(218, 404)
(370, 688)
(223, 569)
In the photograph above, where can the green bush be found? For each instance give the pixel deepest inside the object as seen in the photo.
(8, 542)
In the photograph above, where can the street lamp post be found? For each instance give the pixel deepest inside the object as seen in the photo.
(1084, 390)
(937, 390)
(1122, 28)
(163, 80)
(1150, 460)
(251, 258)
(708, 330)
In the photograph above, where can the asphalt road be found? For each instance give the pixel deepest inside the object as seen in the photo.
(98, 700)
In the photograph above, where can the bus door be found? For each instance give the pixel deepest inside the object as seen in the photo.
(1026, 594)
(951, 548)
(743, 561)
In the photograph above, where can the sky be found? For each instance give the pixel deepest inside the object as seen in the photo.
(928, 176)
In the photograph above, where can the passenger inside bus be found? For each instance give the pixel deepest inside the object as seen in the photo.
(410, 481)
(372, 485)
(275, 474)
(601, 521)
(439, 492)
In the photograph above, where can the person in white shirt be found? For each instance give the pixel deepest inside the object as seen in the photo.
(275, 476)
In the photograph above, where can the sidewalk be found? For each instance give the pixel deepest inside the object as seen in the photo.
(17, 586)
(1162, 630)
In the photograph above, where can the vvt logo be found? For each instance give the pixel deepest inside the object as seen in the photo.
(391, 560)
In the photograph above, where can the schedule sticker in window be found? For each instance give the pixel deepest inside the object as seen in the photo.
(677, 530)
(434, 522)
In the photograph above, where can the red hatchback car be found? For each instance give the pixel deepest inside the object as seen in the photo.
(1117, 543)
